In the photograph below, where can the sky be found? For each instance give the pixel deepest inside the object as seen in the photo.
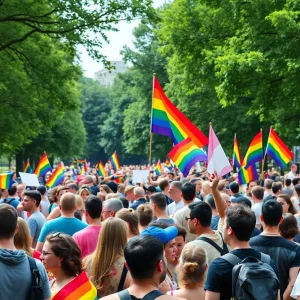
(112, 50)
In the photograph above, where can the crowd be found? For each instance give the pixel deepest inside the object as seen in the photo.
(199, 237)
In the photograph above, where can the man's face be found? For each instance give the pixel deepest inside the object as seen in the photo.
(294, 168)
(106, 213)
(252, 184)
(198, 185)
(28, 203)
(130, 195)
(191, 225)
(174, 192)
(20, 191)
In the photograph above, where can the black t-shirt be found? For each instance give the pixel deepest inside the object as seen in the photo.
(219, 276)
(286, 255)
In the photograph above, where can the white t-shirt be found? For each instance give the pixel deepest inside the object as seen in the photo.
(257, 210)
(296, 290)
(291, 175)
(173, 207)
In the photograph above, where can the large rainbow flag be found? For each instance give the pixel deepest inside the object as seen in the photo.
(278, 150)
(254, 152)
(27, 167)
(236, 158)
(43, 166)
(115, 162)
(185, 155)
(245, 176)
(168, 120)
(57, 177)
(6, 180)
(100, 169)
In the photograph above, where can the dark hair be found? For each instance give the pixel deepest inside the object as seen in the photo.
(145, 214)
(93, 205)
(276, 187)
(159, 199)
(290, 204)
(12, 190)
(271, 212)
(297, 189)
(268, 183)
(124, 201)
(181, 231)
(288, 228)
(8, 221)
(202, 212)
(242, 220)
(288, 182)
(210, 200)
(256, 181)
(234, 187)
(296, 181)
(193, 180)
(142, 254)
(258, 192)
(64, 246)
(34, 195)
(188, 191)
(42, 189)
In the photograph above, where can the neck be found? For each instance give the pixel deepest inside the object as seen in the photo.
(44, 197)
(187, 202)
(33, 211)
(59, 275)
(7, 244)
(162, 214)
(177, 200)
(143, 285)
(142, 228)
(204, 230)
(236, 244)
(67, 214)
(270, 230)
(257, 200)
(95, 222)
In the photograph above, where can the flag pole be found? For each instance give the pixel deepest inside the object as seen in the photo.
(263, 160)
(150, 146)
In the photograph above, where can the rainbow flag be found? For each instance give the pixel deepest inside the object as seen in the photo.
(43, 166)
(81, 161)
(79, 288)
(115, 162)
(82, 171)
(186, 154)
(245, 176)
(236, 158)
(6, 180)
(100, 169)
(57, 177)
(278, 150)
(255, 151)
(158, 168)
(27, 167)
(168, 120)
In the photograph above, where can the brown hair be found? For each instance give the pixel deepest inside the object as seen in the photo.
(130, 216)
(289, 202)
(106, 188)
(145, 214)
(181, 231)
(163, 183)
(289, 227)
(221, 185)
(22, 237)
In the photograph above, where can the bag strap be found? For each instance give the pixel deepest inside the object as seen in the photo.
(35, 273)
(231, 258)
(122, 280)
(212, 243)
(265, 258)
(153, 295)
(124, 295)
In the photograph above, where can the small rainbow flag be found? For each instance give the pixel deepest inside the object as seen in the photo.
(118, 178)
(245, 176)
(6, 180)
(278, 150)
(115, 162)
(236, 158)
(168, 120)
(186, 154)
(255, 151)
(43, 166)
(27, 167)
(82, 171)
(100, 169)
(57, 177)
(158, 168)
(81, 161)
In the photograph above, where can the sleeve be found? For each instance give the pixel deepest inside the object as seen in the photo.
(44, 280)
(178, 218)
(213, 282)
(44, 232)
(32, 224)
(296, 261)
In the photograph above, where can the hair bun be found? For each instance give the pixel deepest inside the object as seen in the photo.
(190, 267)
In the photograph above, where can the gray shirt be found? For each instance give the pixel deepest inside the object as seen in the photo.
(35, 224)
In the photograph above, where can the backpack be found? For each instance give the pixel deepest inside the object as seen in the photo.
(35, 292)
(253, 278)
(216, 246)
(9, 201)
(124, 295)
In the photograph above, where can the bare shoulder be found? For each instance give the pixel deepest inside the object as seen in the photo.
(169, 297)
(111, 297)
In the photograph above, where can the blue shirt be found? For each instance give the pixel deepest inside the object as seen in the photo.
(12, 201)
(35, 224)
(135, 204)
(65, 225)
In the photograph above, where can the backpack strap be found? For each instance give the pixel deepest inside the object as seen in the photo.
(153, 295)
(124, 295)
(122, 280)
(265, 258)
(213, 244)
(35, 273)
(231, 258)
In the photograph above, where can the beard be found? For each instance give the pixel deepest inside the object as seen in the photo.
(164, 273)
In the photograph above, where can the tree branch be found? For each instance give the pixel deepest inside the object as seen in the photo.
(21, 39)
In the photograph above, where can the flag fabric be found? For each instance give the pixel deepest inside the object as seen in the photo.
(86, 166)
(100, 169)
(82, 171)
(6, 180)
(57, 177)
(118, 178)
(43, 166)
(217, 160)
(245, 176)
(27, 167)
(158, 168)
(79, 288)
(81, 161)
(186, 154)
(236, 158)
(254, 152)
(168, 120)
(115, 161)
(278, 150)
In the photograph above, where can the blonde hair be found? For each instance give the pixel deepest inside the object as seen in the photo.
(79, 202)
(206, 187)
(111, 195)
(192, 266)
(22, 238)
(111, 244)
(130, 216)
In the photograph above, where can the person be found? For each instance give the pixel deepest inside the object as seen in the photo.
(22, 239)
(15, 271)
(268, 188)
(276, 190)
(175, 189)
(130, 216)
(206, 190)
(86, 239)
(296, 198)
(144, 256)
(288, 189)
(257, 198)
(55, 196)
(111, 207)
(11, 199)
(145, 216)
(180, 241)
(198, 184)
(158, 203)
(287, 204)
(90, 184)
(288, 228)
(209, 199)
(191, 273)
(139, 196)
(105, 189)
(250, 185)
(234, 190)
(61, 257)
(84, 192)
(106, 265)
(124, 201)
(286, 254)
(293, 173)
(72, 188)
(44, 205)
(164, 186)
(31, 202)
(67, 223)
(129, 193)
(188, 194)
(296, 290)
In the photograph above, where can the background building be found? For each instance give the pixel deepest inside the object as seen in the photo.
(106, 77)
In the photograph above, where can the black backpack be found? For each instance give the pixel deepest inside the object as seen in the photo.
(124, 295)
(253, 278)
(9, 201)
(216, 246)
(35, 292)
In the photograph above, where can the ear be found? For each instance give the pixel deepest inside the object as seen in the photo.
(160, 266)
(17, 229)
(261, 218)
(281, 220)
(59, 207)
(127, 267)
(112, 213)
(86, 213)
(230, 231)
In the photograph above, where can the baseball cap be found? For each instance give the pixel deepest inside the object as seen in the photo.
(129, 188)
(165, 235)
(150, 188)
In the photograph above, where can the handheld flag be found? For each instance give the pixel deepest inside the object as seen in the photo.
(82, 172)
(245, 176)
(237, 159)
(27, 167)
(100, 169)
(115, 162)
(57, 177)
(158, 169)
(254, 152)
(168, 120)
(217, 160)
(6, 180)
(43, 166)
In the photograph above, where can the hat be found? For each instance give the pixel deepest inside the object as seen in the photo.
(129, 188)
(165, 235)
(240, 199)
(150, 188)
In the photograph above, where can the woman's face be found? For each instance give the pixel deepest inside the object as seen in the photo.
(103, 191)
(50, 261)
(170, 251)
(285, 206)
(84, 195)
(179, 245)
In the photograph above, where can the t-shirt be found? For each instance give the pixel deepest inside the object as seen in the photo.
(256, 208)
(166, 221)
(35, 223)
(219, 275)
(288, 192)
(65, 225)
(286, 254)
(12, 201)
(45, 207)
(291, 175)
(87, 239)
(214, 222)
(52, 206)
(173, 207)
(137, 203)
(179, 218)
(94, 190)
(296, 290)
